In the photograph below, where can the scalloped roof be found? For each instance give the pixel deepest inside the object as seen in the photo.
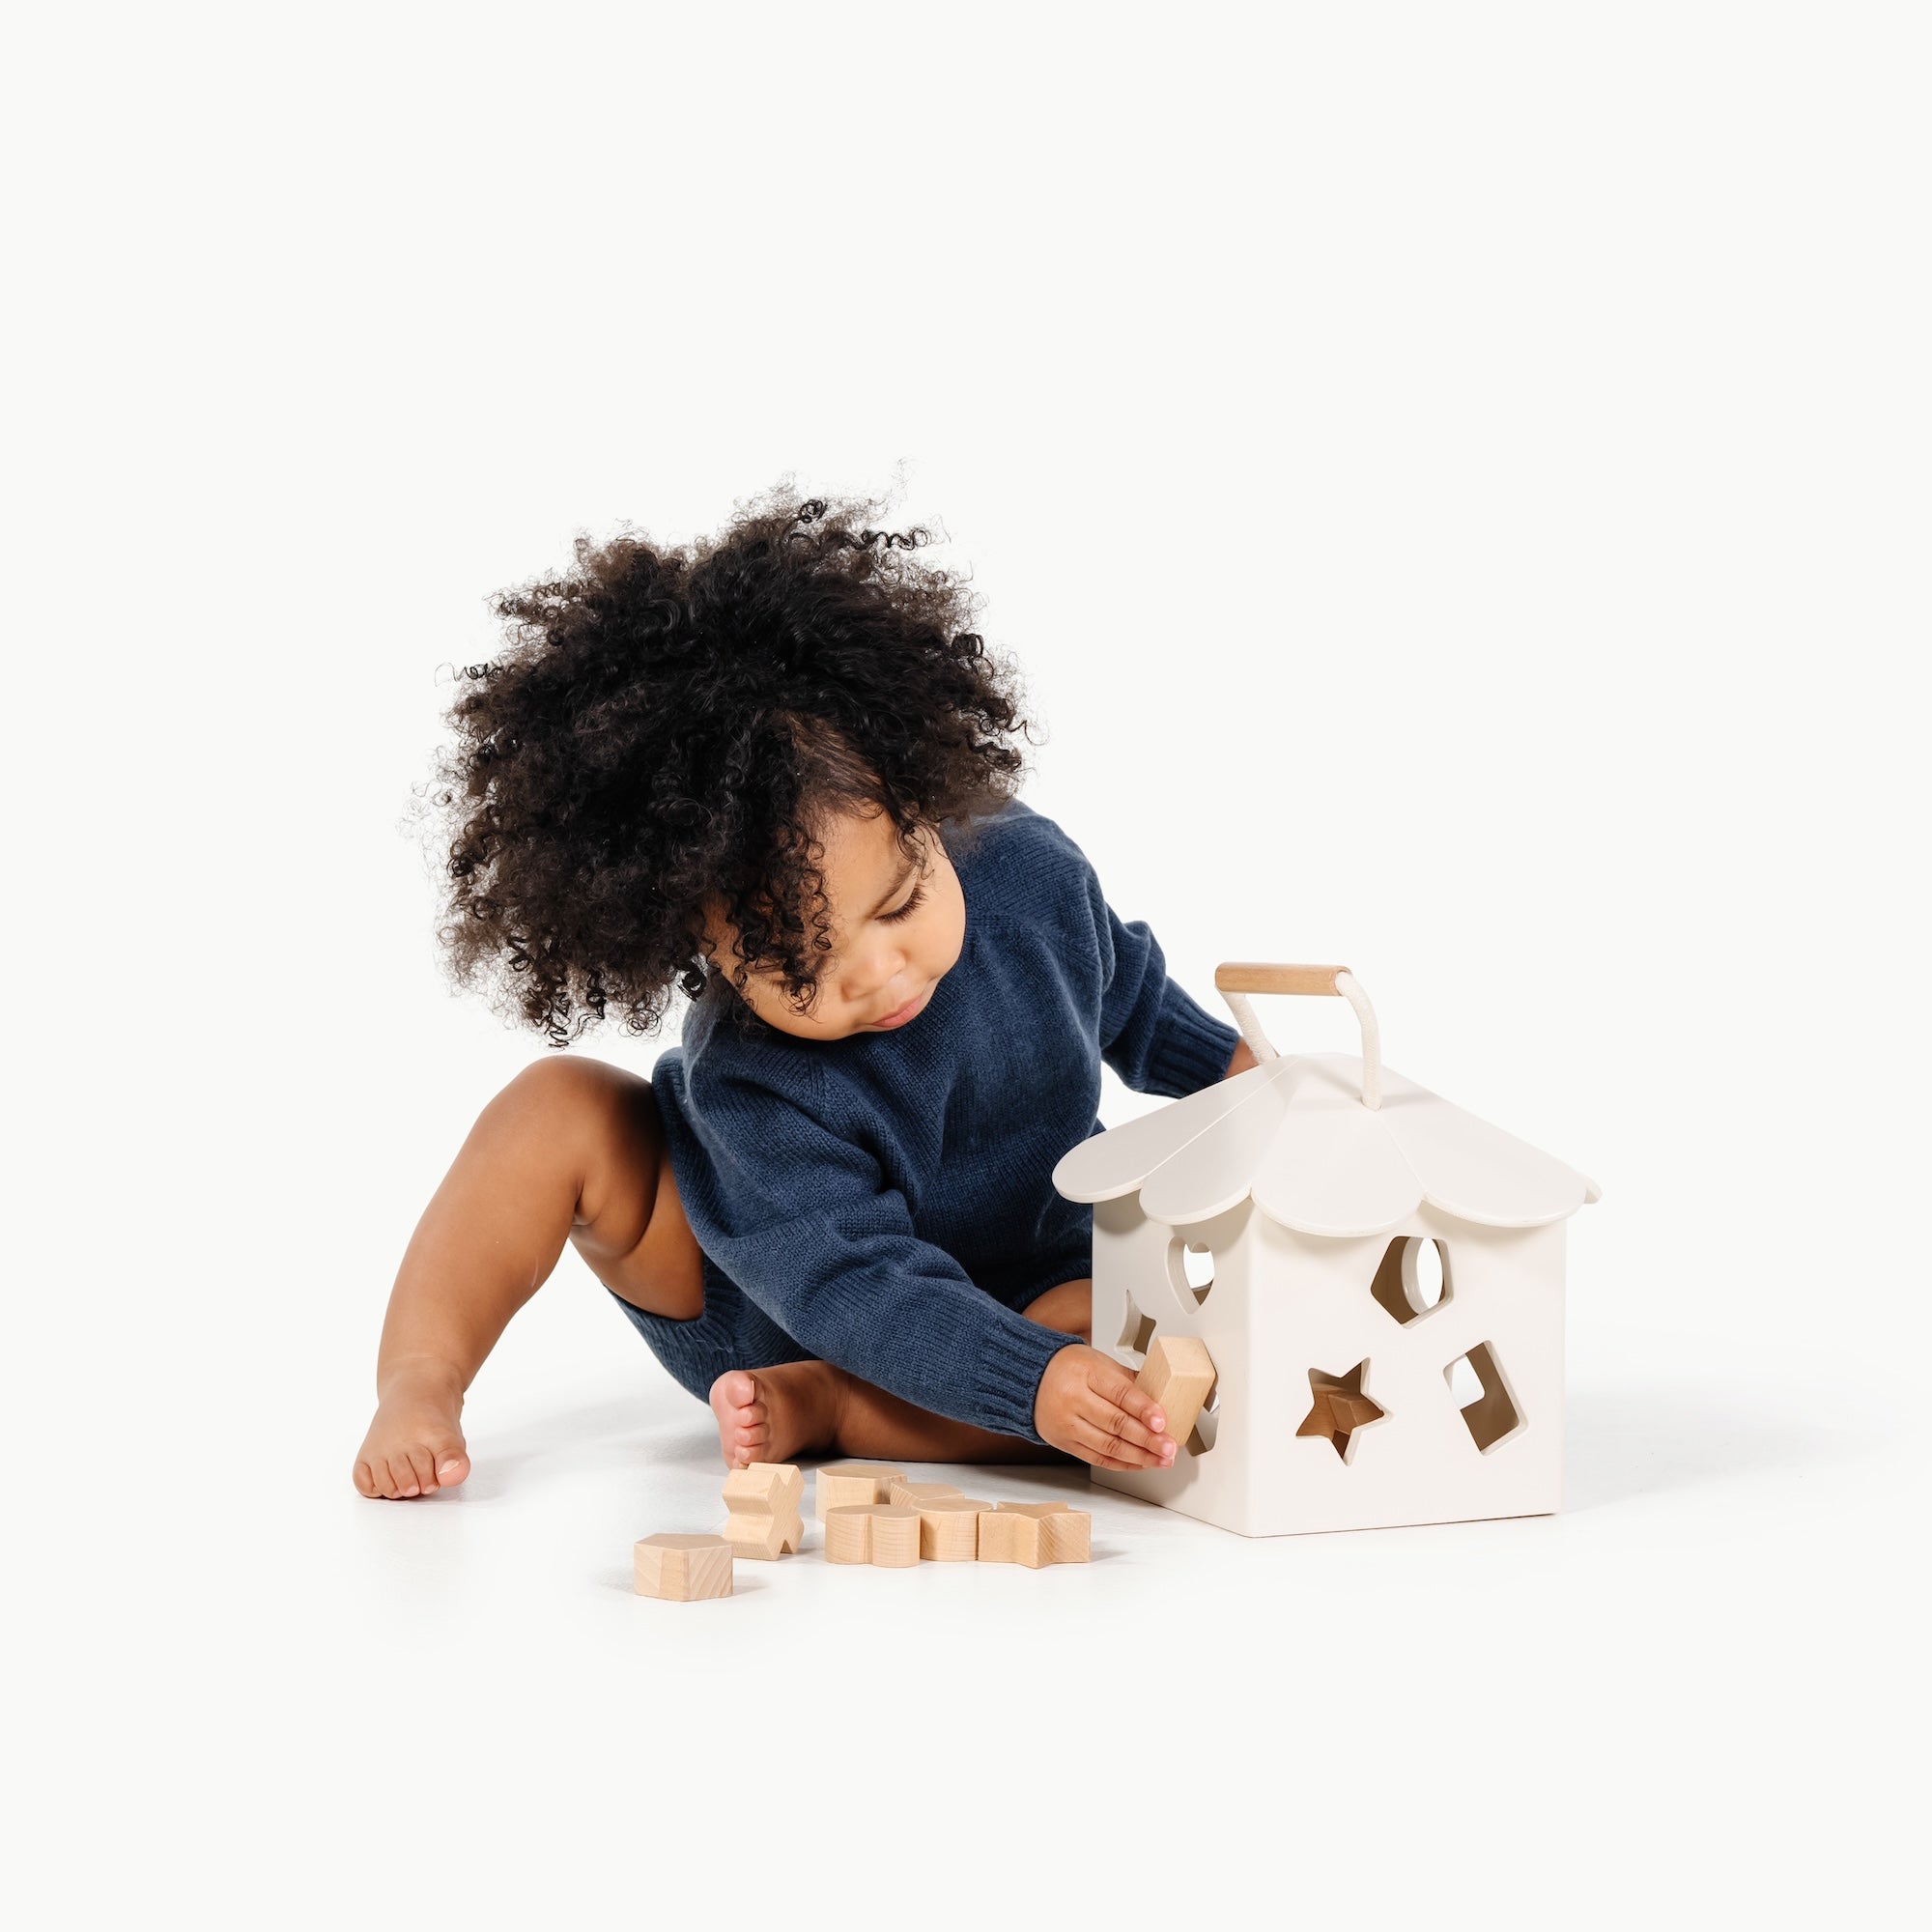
(1295, 1134)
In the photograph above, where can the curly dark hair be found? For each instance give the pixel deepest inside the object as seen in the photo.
(670, 728)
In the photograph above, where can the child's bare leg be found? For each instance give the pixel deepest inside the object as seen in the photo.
(572, 1149)
(805, 1408)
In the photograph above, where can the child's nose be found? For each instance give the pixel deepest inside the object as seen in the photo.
(874, 977)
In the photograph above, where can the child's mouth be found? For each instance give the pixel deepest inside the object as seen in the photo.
(904, 1012)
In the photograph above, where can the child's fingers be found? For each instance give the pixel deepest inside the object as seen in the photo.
(1114, 1384)
(1100, 1443)
(1116, 1422)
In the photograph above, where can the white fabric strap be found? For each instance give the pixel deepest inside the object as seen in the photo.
(1349, 988)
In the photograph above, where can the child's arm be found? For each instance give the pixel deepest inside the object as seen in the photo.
(1153, 1033)
(796, 1210)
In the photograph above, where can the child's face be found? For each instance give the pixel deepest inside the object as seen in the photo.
(896, 931)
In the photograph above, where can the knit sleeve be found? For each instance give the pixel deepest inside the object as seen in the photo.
(804, 1220)
(1152, 1033)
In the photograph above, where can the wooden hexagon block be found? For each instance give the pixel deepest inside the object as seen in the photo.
(764, 1499)
(1180, 1375)
(1034, 1535)
(841, 1483)
(884, 1535)
(681, 1569)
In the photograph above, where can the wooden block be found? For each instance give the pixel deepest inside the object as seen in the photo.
(764, 1501)
(681, 1569)
(841, 1482)
(1067, 1538)
(1003, 1527)
(1320, 1419)
(914, 1494)
(894, 1536)
(1179, 1376)
(949, 1529)
(1351, 1412)
(884, 1535)
(848, 1533)
(1034, 1535)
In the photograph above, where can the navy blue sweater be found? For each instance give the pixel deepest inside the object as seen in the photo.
(885, 1199)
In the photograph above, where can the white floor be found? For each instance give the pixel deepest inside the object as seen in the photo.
(1677, 1701)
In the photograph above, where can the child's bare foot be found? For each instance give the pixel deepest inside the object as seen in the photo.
(773, 1414)
(415, 1446)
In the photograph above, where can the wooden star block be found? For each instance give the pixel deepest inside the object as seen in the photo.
(1337, 1408)
(1179, 1376)
(764, 1501)
(682, 1568)
(840, 1484)
(884, 1535)
(1034, 1535)
(949, 1529)
(1320, 1419)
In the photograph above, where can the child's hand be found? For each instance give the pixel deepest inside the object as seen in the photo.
(1091, 1408)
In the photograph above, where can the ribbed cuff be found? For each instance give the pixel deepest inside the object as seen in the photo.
(1006, 1379)
(1192, 1049)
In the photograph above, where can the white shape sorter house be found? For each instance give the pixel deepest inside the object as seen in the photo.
(1376, 1274)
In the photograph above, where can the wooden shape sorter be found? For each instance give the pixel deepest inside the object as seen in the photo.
(1341, 1244)
(842, 1483)
(763, 1499)
(681, 1569)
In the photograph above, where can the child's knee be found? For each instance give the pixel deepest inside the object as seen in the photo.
(1068, 1310)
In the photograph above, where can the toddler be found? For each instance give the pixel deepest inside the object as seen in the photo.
(776, 770)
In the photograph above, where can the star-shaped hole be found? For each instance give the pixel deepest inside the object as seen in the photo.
(1339, 1408)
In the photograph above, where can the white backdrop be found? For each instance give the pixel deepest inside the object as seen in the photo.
(1456, 480)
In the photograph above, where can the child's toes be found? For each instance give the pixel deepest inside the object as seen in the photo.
(452, 1465)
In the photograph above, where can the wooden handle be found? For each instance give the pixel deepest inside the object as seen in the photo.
(1236, 978)
(1242, 976)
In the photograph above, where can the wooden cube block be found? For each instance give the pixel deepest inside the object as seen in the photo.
(911, 1494)
(884, 1535)
(1065, 1538)
(839, 1483)
(764, 1501)
(681, 1569)
(949, 1529)
(1180, 1375)
(1034, 1535)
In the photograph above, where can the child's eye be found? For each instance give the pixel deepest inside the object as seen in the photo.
(906, 911)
